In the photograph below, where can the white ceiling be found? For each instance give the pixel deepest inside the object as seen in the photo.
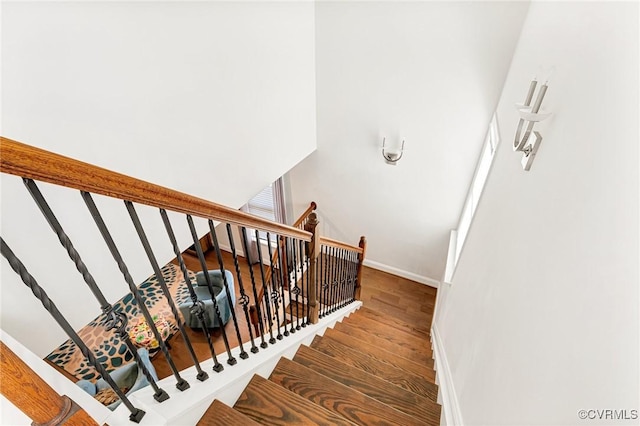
(428, 72)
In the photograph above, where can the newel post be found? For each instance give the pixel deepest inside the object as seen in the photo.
(363, 245)
(313, 250)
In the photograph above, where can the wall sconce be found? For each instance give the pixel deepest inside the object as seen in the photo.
(530, 115)
(392, 156)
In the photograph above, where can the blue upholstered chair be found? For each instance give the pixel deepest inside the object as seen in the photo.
(202, 291)
(128, 376)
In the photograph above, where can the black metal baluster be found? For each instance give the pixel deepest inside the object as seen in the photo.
(339, 283)
(197, 308)
(205, 271)
(245, 247)
(296, 290)
(334, 280)
(345, 286)
(323, 251)
(265, 290)
(15, 263)
(304, 286)
(216, 247)
(290, 288)
(337, 279)
(330, 279)
(283, 277)
(244, 299)
(274, 288)
(181, 384)
(113, 320)
(343, 277)
(347, 290)
(354, 272)
(102, 227)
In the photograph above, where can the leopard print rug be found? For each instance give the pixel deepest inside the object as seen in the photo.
(108, 349)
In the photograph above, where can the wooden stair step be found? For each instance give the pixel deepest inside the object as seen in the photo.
(418, 343)
(420, 407)
(334, 396)
(418, 330)
(420, 320)
(386, 343)
(357, 359)
(380, 355)
(267, 403)
(220, 414)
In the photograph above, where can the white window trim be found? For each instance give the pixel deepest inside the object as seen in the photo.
(472, 201)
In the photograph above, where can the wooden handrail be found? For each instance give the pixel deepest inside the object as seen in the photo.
(34, 397)
(34, 163)
(339, 244)
(305, 214)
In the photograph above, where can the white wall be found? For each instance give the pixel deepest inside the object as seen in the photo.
(213, 99)
(430, 72)
(542, 316)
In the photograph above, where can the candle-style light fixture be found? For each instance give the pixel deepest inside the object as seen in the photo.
(392, 156)
(529, 116)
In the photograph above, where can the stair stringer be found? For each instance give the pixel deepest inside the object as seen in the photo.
(189, 406)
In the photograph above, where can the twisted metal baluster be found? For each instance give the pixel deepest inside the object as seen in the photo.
(245, 247)
(15, 263)
(282, 273)
(265, 291)
(296, 290)
(275, 296)
(216, 246)
(203, 265)
(111, 320)
(182, 384)
(244, 299)
(160, 395)
(197, 308)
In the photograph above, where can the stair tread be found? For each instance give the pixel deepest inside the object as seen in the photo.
(380, 355)
(388, 343)
(417, 343)
(420, 407)
(334, 396)
(420, 330)
(355, 358)
(267, 403)
(220, 414)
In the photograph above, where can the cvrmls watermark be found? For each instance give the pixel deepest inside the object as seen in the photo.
(608, 414)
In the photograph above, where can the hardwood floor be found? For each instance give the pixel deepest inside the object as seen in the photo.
(383, 294)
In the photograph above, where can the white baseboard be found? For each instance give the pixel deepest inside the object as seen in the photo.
(402, 273)
(451, 414)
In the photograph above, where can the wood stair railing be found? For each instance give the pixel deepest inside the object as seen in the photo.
(34, 397)
(345, 378)
(34, 163)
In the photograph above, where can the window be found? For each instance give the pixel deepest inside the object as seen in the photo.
(473, 197)
(268, 204)
(262, 204)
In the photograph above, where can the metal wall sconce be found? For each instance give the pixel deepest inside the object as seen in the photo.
(392, 156)
(530, 115)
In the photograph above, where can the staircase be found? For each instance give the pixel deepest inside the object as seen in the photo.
(369, 369)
